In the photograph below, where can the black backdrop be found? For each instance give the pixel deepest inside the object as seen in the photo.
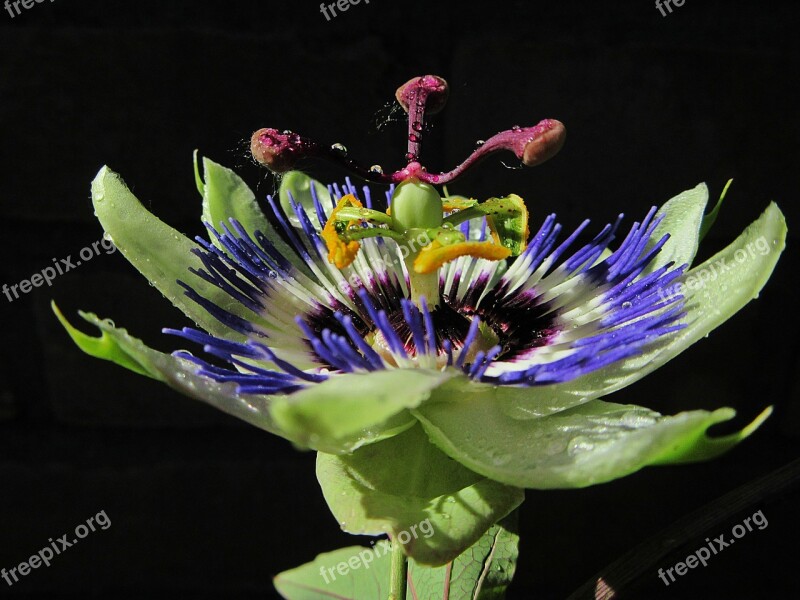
(202, 506)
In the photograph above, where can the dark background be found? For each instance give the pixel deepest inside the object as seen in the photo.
(204, 507)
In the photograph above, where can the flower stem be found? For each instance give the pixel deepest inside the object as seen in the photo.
(399, 573)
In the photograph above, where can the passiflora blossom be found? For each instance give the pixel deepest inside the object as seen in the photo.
(440, 353)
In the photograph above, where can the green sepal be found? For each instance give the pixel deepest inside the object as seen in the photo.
(482, 572)
(391, 486)
(198, 178)
(105, 347)
(118, 346)
(711, 218)
(585, 445)
(350, 410)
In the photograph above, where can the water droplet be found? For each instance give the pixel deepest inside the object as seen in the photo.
(411, 156)
(516, 128)
(445, 516)
(98, 196)
(287, 132)
(339, 149)
(579, 444)
(376, 170)
(107, 237)
(416, 126)
(413, 137)
(626, 305)
(480, 143)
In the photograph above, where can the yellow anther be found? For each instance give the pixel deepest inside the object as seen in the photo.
(341, 253)
(434, 255)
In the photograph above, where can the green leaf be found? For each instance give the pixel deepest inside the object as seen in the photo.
(118, 346)
(159, 252)
(357, 573)
(682, 219)
(711, 218)
(585, 445)
(714, 291)
(298, 185)
(403, 481)
(348, 411)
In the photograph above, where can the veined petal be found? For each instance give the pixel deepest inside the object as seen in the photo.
(585, 445)
(313, 196)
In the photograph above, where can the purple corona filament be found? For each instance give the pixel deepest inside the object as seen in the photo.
(281, 151)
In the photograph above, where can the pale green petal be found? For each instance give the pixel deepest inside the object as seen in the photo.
(350, 410)
(159, 252)
(682, 219)
(118, 346)
(585, 445)
(299, 185)
(226, 196)
(401, 482)
(722, 293)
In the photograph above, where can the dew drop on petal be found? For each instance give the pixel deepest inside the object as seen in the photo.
(480, 143)
(376, 170)
(516, 128)
(626, 305)
(579, 445)
(339, 149)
